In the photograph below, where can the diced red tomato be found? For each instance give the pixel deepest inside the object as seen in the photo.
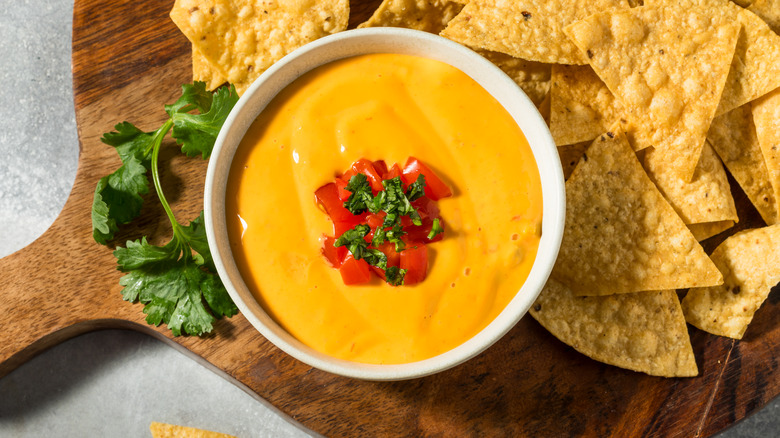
(426, 207)
(393, 258)
(435, 188)
(367, 168)
(419, 233)
(328, 197)
(354, 271)
(381, 167)
(339, 227)
(334, 255)
(379, 272)
(375, 219)
(393, 172)
(348, 174)
(342, 186)
(415, 260)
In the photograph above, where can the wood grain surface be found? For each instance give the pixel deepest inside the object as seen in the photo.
(129, 60)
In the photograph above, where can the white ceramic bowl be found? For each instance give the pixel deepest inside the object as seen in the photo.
(385, 40)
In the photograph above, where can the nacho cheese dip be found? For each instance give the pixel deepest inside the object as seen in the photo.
(384, 107)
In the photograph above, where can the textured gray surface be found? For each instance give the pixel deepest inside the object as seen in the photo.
(115, 383)
(111, 383)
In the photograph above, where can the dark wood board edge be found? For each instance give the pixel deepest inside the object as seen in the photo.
(490, 395)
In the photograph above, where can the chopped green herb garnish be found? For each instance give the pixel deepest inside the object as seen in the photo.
(392, 235)
(177, 282)
(355, 242)
(397, 204)
(436, 229)
(416, 190)
(361, 198)
(395, 276)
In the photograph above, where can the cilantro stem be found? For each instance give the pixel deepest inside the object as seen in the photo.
(156, 178)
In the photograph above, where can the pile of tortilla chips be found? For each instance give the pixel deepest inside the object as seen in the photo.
(650, 102)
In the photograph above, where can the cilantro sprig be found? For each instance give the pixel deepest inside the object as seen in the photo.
(177, 282)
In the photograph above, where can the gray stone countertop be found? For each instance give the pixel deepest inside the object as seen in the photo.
(111, 383)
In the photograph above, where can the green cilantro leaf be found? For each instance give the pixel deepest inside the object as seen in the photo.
(130, 141)
(173, 282)
(196, 133)
(193, 97)
(118, 199)
(436, 229)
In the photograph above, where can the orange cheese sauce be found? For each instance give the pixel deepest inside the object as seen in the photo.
(388, 107)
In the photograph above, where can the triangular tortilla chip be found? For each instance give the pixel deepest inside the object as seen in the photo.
(642, 331)
(242, 38)
(733, 136)
(769, 11)
(162, 430)
(571, 155)
(755, 68)
(766, 116)
(750, 262)
(620, 234)
(707, 198)
(704, 231)
(581, 105)
(425, 15)
(533, 77)
(204, 72)
(527, 29)
(667, 66)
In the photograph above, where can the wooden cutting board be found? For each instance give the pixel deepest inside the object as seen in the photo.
(129, 60)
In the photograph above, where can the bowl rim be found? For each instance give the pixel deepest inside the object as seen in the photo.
(385, 40)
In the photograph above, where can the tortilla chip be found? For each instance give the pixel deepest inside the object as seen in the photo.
(162, 430)
(642, 331)
(755, 68)
(202, 71)
(242, 38)
(581, 105)
(706, 230)
(707, 198)
(620, 234)
(733, 137)
(668, 67)
(766, 116)
(769, 11)
(570, 156)
(527, 29)
(532, 77)
(750, 262)
(425, 15)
